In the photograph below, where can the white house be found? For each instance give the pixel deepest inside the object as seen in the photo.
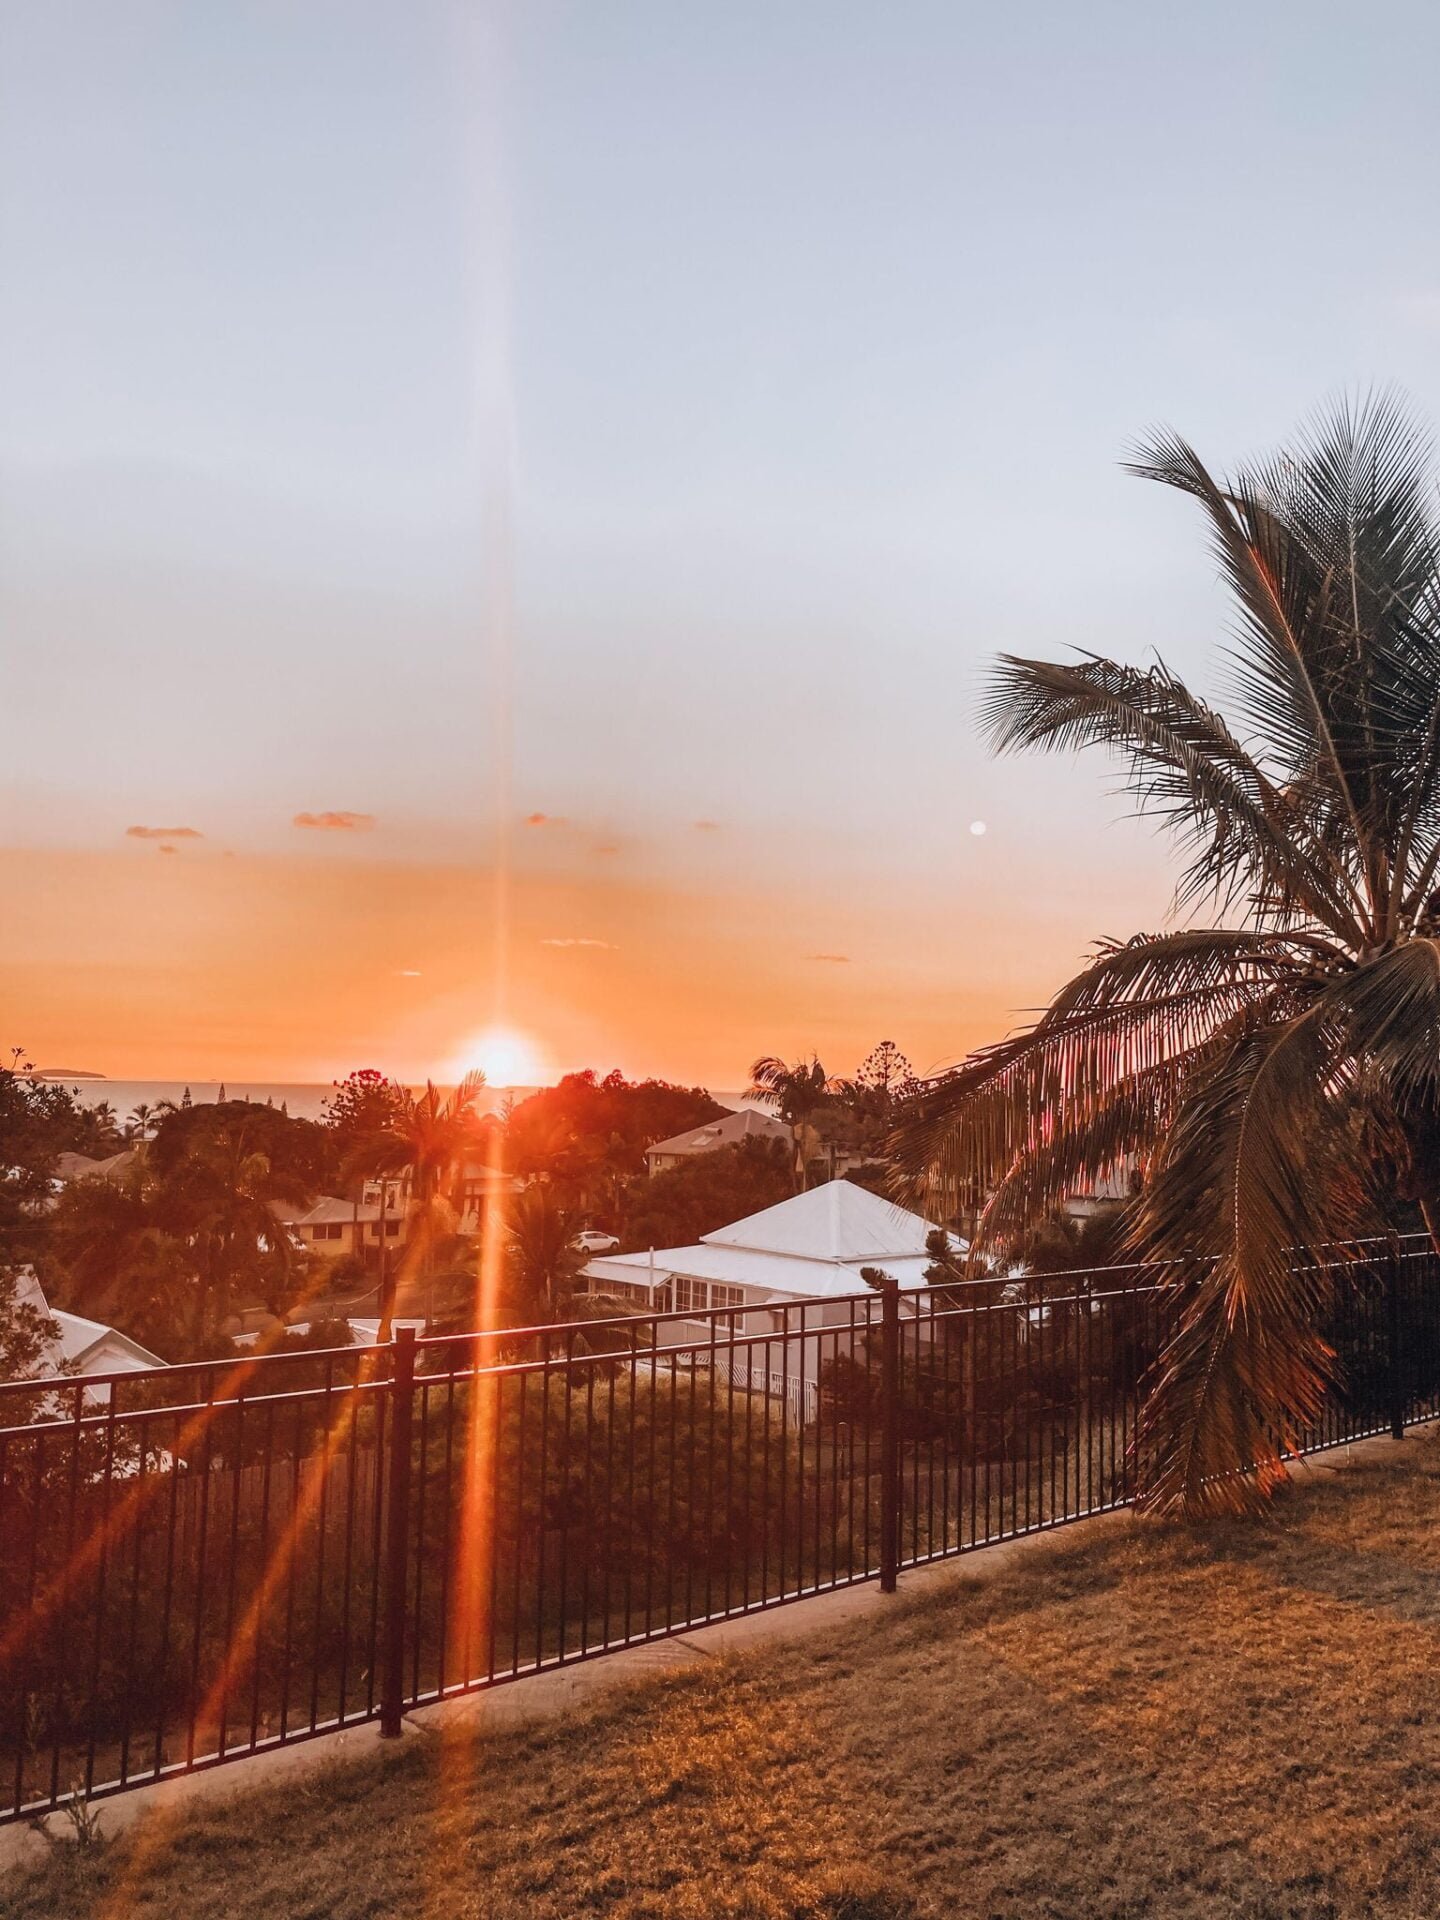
(806, 1252)
(748, 1123)
(82, 1346)
(808, 1248)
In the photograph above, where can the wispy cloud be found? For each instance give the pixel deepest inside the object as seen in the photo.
(166, 847)
(408, 973)
(830, 959)
(163, 833)
(579, 940)
(706, 826)
(546, 820)
(607, 847)
(335, 821)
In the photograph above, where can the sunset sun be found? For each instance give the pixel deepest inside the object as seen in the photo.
(506, 1057)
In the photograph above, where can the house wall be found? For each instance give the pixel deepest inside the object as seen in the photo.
(338, 1240)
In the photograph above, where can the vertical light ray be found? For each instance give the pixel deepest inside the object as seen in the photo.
(229, 1387)
(158, 1829)
(483, 47)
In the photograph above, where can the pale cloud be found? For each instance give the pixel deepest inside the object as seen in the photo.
(163, 833)
(408, 973)
(165, 847)
(608, 847)
(831, 959)
(1420, 308)
(579, 940)
(706, 826)
(336, 822)
(546, 820)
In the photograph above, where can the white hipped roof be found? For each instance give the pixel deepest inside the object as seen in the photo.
(83, 1346)
(811, 1246)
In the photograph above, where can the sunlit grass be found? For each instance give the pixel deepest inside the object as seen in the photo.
(1242, 1721)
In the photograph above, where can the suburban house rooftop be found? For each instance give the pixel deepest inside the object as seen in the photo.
(747, 1123)
(811, 1246)
(83, 1166)
(82, 1346)
(329, 1210)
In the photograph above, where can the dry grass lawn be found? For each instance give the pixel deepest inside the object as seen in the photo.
(1239, 1721)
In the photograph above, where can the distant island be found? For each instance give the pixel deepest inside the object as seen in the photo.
(66, 1073)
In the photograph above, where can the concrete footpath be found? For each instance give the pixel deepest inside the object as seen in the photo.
(565, 1691)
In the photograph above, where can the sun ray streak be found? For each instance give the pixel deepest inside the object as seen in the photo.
(157, 1830)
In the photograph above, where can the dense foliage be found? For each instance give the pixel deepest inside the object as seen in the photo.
(588, 1135)
(679, 1204)
(182, 1236)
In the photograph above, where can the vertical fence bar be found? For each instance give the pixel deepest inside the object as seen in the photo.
(1395, 1371)
(397, 1529)
(889, 1437)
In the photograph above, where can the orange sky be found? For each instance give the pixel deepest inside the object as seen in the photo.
(418, 418)
(203, 964)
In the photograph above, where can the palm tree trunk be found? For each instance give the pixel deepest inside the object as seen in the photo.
(1428, 1200)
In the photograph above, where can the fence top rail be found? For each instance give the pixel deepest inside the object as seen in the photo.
(241, 1366)
(101, 1416)
(799, 1318)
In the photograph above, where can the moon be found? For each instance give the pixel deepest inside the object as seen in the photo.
(978, 827)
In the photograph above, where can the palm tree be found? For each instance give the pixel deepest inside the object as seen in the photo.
(425, 1138)
(221, 1196)
(796, 1091)
(543, 1260)
(142, 1119)
(1275, 1074)
(105, 1128)
(542, 1277)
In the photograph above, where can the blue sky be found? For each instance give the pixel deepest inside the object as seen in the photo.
(774, 360)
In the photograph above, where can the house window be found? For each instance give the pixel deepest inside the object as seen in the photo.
(625, 1290)
(392, 1229)
(327, 1230)
(697, 1296)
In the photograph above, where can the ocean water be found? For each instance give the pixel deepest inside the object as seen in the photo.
(304, 1100)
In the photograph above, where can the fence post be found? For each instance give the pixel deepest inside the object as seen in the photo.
(397, 1530)
(1395, 1371)
(889, 1436)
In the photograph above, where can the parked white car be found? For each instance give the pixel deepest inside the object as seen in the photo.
(593, 1241)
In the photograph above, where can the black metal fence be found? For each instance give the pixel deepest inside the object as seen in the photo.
(205, 1561)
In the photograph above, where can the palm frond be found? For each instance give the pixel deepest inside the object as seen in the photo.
(1253, 1189)
(1245, 830)
(1393, 1007)
(1139, 1007)
(1120, 1127)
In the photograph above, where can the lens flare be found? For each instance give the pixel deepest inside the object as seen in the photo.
(506, 1056)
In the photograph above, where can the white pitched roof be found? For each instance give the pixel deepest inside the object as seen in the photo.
(89, 1346)
(838, 1221)
(809, 1247)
